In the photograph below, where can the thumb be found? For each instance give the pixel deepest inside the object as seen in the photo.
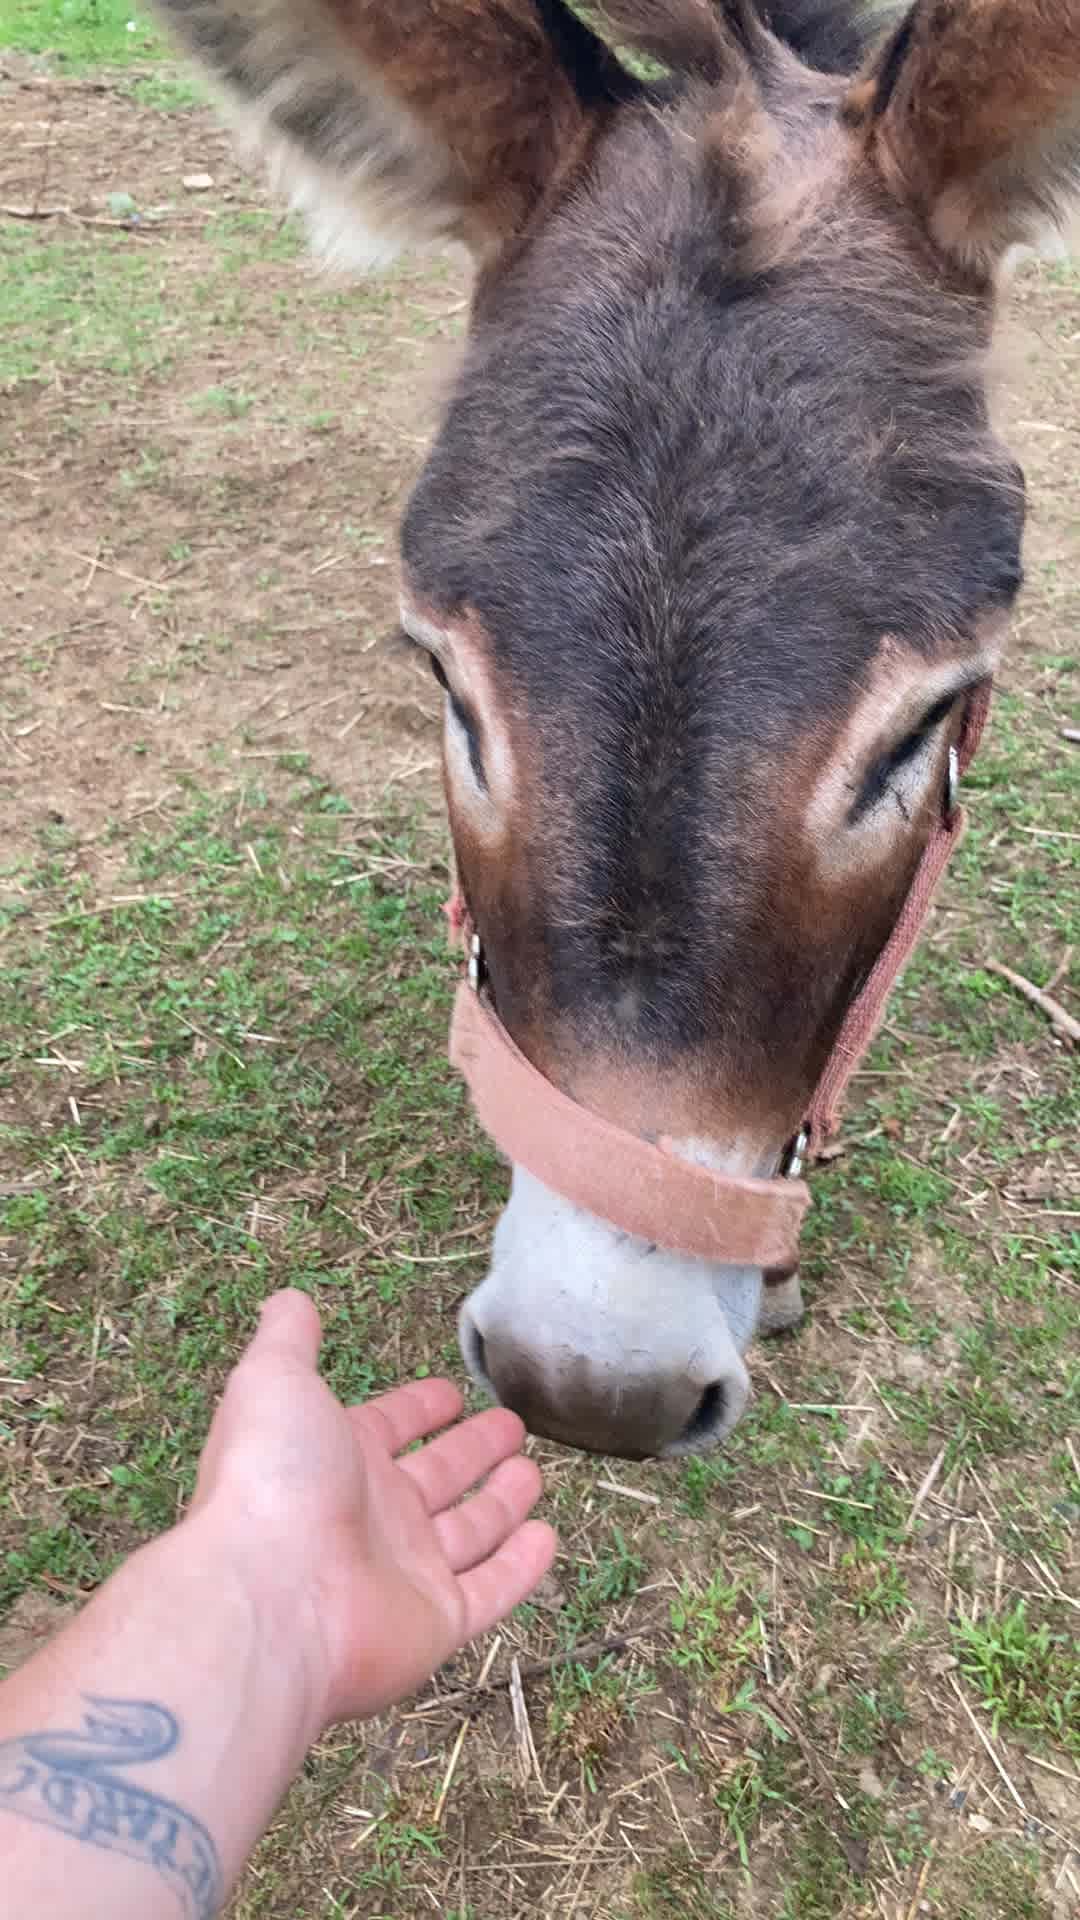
(288, 1328)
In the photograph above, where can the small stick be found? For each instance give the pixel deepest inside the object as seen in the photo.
(917, 1895)
(628, 1493)
(155, 586)
(460, 1742)
(988, 1744)
(1049, 1767)
(1060, 971)
(522, 1726)
(838, 1499)
(449, 1774)
(80, 219)
(925, 1485)
(829, 1406)
(1050, 833)
(539, 1669)
(1061, 1021)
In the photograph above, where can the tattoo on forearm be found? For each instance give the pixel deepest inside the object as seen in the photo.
(75, 1782)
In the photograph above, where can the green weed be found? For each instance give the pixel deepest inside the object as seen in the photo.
(1027, 1675)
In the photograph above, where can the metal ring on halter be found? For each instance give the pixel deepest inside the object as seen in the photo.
(476, 961)
(792, 1164)
(952, 783)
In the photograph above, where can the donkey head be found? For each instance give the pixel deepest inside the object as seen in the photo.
(714, 542)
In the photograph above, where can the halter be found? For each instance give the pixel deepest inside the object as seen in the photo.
(648, 1190)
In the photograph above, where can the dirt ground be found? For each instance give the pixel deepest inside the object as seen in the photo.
(191, 576)
(201, 476)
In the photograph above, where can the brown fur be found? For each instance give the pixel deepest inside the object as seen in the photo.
(721, 426)
(978, 127)
(482, 81)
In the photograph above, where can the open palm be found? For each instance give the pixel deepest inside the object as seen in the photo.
(384, 1570)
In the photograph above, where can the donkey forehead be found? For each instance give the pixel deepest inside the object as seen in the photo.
(656, 431)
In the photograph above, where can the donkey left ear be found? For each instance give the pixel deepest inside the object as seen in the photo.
(971, 111)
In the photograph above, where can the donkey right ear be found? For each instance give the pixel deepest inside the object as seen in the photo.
(394, 122)
(972, 113)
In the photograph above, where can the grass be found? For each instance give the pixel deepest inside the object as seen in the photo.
(97, 309)
(81, 33)
(219, 1023)
(678, 1890)
(1026, 1674)
(202, 1097)
(590, 1706)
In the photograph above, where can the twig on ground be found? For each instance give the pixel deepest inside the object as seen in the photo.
(539, 1669)
(629, 1493)
(924, 1488)
(1060, 971)
(436, 1818)
(923, 1877)
(95, 562)
(817, 1768)
(1049, 1767)
(999, 1765)
(1061, 1021)
(526, 1746)
(460, 1742)
(140, 228)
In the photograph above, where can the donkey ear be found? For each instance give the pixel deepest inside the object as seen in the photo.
(972, 111)
(394, 122)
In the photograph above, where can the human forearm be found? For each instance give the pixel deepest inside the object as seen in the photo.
(144, 1750)
(318, 1577)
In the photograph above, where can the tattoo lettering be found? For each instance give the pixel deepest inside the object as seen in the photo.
(74, 1782)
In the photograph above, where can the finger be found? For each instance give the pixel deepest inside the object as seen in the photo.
(288, 1324)
(493, 1589)
(410, 1412)
(449, 1466)
(471, 1532)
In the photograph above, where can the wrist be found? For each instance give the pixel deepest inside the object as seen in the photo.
(271, 1603)
(186, 1650)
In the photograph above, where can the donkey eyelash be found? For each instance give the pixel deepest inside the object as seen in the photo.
(911, 743)
(879, 779)
(464, 719)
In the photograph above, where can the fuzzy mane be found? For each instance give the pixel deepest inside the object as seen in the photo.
(693, 36)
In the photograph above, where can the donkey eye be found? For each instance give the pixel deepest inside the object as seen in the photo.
(464, 720)
(919, 735)
(883, 772)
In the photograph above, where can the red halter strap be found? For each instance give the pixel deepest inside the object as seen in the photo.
(647, 1190)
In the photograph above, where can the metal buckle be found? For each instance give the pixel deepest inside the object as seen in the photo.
(952, 783)
(475, 962)
(796, 1155)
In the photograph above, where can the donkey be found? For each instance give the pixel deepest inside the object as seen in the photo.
(712, 551)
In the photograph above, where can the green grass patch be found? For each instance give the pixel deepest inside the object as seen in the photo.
(678, 1889)
(261, 1041)
(82, 33)
(100, 308)
(1027, 1674)
(996, 1882)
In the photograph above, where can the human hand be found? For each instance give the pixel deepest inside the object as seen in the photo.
(361, 1558)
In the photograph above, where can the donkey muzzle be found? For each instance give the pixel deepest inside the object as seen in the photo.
(606, 1342)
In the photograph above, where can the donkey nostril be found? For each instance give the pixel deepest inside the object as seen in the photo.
(474, 1353)
(707, 1417)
